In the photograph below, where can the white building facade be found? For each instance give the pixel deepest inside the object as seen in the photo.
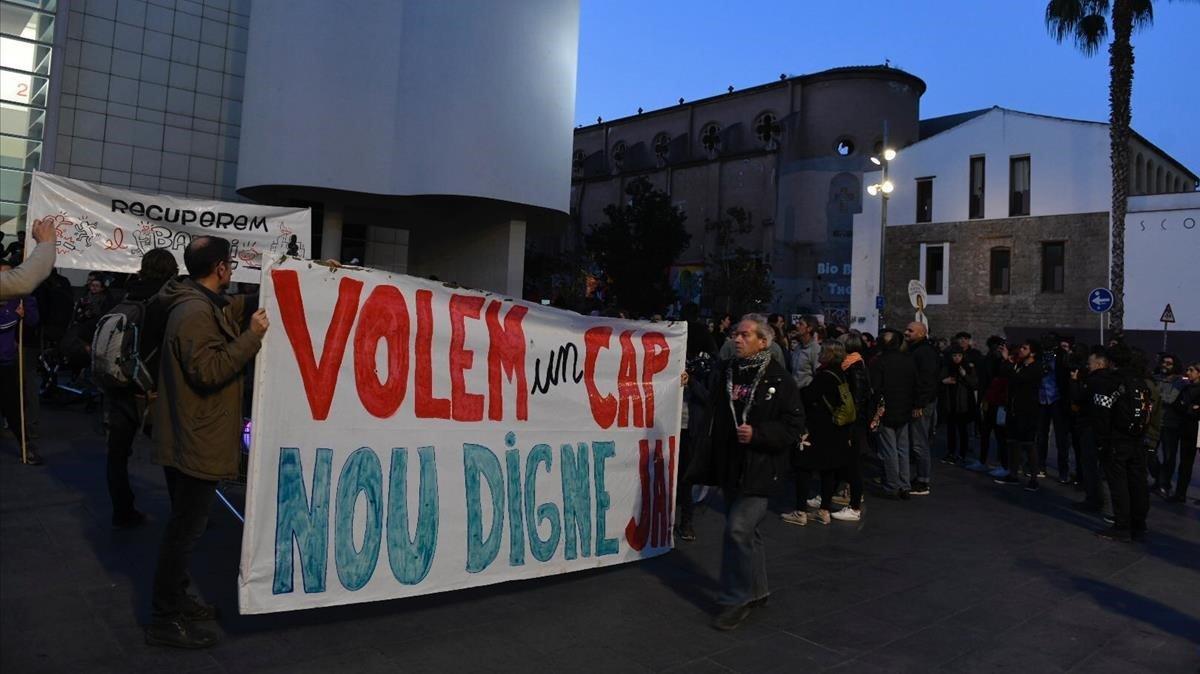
(1003, 216)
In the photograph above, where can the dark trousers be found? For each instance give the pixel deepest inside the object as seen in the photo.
(1187, 458)
(10, 398)
(1023, 451)
(1169, 439)
(987, 426)
(851, 474)
(1089, 466)
(121, 420)
(684, 506)
(191, 499)
(743, 557)
(1125, 468)
(1057, 414)
(957, 437)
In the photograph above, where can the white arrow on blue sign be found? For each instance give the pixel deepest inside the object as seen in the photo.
(1100, 300)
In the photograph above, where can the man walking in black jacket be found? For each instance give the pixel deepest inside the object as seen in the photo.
(894, 376)
(928, 365)
(756, 418)
(1024, 381)
(1121, 452)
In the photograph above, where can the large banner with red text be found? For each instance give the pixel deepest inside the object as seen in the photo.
(411, 437)
(109, 229)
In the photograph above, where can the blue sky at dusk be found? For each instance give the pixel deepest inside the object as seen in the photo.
(971, 53)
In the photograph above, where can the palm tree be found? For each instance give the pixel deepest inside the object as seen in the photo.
(1086, 22)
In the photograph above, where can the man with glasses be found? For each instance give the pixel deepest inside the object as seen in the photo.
(198, 424)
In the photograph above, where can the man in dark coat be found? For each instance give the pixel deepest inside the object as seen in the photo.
(756, 417)
(894, 376)
(1121, 453)
(929, 366)
(1024, 383)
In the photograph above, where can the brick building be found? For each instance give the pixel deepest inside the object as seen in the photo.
(791, 152)
(1004, 217)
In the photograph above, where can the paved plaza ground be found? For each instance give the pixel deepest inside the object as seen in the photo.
(972, 578)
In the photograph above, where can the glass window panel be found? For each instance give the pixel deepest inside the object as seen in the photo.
(22, 21)
(14, 185)
(1053, 266)
(12, 217)
(20, 153)
(977, 187)
(925, 200)
(24, 56)
(935, 270)
(19, 120)
(23, 88)
(1018, 177)
(1001, 271)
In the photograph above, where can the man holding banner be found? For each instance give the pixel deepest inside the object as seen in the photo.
(756, 417)
(198, 421)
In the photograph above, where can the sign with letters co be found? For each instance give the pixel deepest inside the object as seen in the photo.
(410, 438)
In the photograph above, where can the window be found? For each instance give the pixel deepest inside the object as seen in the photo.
(354, 243)
(1054, 266)
(935, 265)
(766, 128)
(618, 154)
(26, 37)
(924, 199)
(710, 138)
(577, 163)
(662, 148)
(1000, 271)
(1018, 186)
(976, 196)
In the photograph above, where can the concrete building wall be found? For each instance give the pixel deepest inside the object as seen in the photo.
(151, 94)
(969, 303)
(1162, 261)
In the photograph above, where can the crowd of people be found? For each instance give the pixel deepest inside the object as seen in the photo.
(769, 405)
(815, 407)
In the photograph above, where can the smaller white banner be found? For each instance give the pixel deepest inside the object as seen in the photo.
(109, 229)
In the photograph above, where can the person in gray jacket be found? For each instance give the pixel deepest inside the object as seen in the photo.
(806, 351)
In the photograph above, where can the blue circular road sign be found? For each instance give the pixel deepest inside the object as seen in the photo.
(1100, 300)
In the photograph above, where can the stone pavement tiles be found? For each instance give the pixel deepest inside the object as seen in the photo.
(973, 578)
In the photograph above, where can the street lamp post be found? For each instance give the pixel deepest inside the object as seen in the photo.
(883, 189)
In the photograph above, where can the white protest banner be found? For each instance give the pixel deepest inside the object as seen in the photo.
(412, 438)
(109, 229)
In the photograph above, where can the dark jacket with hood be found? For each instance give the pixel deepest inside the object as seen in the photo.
(198, 413)
(777, 418)
(894, 380)
(925, 357)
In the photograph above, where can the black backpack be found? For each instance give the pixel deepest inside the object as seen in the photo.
(1133, 405)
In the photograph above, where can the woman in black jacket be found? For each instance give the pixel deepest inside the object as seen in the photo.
(755, 416)
(1024, 380)
(959, 382)
(830, 451)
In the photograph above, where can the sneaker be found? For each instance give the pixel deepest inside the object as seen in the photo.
(195, 610)
(847, 515)
(1007, 479)
(1041, 473)
(686, 532)
(761, 601)
(975, 466)
(814, 503)
(998, 472)
(797, 517)
(128, 520)
(841, 499)
(32, 458)
(179, 634)
(731, 616)
(920, 489)
(1066, 482)
(1109, 520)
(949, 459)
(1032, 485)
(1114, 534)
(904, 494)
(822, 516)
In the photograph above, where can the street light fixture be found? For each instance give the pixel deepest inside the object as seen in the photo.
(882, 189)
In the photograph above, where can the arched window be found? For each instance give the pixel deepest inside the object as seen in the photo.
(1169, 185)
(1149, 189)
(577, 163)
(1158, 180)
(1139, 183)
(767, 130)
(662, 148)
(618, 154)
(710, 138)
